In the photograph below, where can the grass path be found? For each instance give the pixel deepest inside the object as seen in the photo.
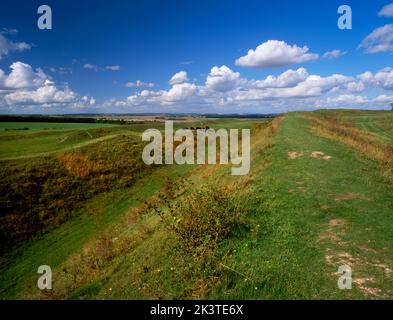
(320, 214)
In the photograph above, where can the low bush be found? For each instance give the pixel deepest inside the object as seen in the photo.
(201, 218)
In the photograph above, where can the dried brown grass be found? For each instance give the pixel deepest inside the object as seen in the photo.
(363, 141)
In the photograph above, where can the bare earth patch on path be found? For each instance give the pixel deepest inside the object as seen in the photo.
(292, 155)
(350, 196)
(335, 231)
(320, 155)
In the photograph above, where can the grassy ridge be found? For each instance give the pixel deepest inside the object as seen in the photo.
(310, 204)
(143, 256)
(96, 214)
(322, 214)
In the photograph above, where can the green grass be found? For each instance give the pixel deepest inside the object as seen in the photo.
(284, 254)
(45, 145)
(41, 142)
(380, 123)
(24, 144)
(18, 270)
(48, 126)
(286, 260)
(307, 216)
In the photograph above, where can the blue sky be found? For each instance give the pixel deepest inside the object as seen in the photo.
(97, 51)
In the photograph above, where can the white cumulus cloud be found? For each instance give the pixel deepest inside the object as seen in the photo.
(179, 92)
(225, 88)
(347, 99)
(274, 53)
(382, 79)
(384, 99)
(334, 54)
(26, 89)
(90, 66)
(22, 75)
(6, 46)
(47, 94)
(179, 77)
(222, 79)
(289, 78)
(380, 40)
(138, 84)
(386, 11)
(113, 68)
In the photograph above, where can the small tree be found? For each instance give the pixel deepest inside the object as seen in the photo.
(391, 105)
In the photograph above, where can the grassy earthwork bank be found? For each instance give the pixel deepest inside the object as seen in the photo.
(318, 196)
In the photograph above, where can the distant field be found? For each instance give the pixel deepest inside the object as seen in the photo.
(48, 125)
(23, 143)
(42, 141)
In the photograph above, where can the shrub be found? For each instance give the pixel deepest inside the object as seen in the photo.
(202, 218)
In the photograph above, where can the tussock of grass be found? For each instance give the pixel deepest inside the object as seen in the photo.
(203, 218)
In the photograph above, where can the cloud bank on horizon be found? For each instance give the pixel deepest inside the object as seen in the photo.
(28, 89)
